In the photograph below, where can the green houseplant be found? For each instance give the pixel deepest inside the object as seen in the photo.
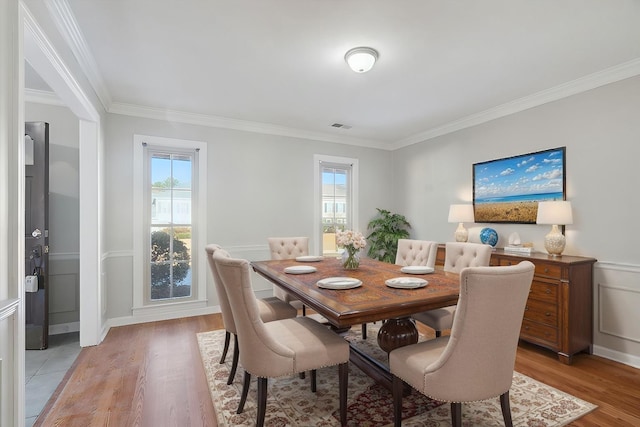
(386, 229)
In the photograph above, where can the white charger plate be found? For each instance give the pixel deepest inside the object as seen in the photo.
(417, 269)
(309, 258)
(300, 269)
(339, 283)
(406, 283)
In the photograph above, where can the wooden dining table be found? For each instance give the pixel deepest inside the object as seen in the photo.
(372, 301)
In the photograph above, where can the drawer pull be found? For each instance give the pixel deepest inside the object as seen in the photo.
(548, 291)
(547, 314)
(526, 308)
(546, 269)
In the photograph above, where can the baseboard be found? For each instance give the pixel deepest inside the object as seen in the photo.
(132, 320)
(64, 328)
(617, 356)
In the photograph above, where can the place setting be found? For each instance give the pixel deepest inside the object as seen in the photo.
(338, 283)
(406, 283)
(417, 269)
(309, 258)
(300, 269)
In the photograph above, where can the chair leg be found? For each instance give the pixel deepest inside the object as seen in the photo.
(506, 409)
(227, 337)
(364, 331)
(438, 334)
(456, 414)
(397, 388)
(234, 363)
(343, 382)
(304, 310)
(245, 392)
(301, 375)
(313, 381)
(262, 401)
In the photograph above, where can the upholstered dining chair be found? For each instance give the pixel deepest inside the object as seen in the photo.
(458, 255)
(416, 252)
(278, 348)
(476, 361)
(288, 248)
(269, 309)
(413, 252)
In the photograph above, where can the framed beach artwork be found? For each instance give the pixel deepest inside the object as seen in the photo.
(508, 190)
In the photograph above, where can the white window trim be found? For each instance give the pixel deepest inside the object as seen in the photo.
(317, 197)
(140, 308)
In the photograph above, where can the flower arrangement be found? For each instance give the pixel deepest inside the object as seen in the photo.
(352, 241)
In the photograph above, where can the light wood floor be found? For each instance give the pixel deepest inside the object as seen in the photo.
(151, 375)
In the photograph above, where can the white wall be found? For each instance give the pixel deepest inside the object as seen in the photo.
(601, 130)
(259, 186)
(64, 214)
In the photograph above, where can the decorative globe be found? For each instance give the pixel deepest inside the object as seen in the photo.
(489, 236)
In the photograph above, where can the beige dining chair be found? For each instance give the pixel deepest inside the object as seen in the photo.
(458, 255)
(413, 252)
(476, 361)
(270, 309)
(288, 248)
(278, 348)
(416, 252)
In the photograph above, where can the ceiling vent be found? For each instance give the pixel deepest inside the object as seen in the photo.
(340, 126)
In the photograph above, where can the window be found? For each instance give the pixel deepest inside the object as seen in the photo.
(336, 199)
(170, 183)
(169, 223)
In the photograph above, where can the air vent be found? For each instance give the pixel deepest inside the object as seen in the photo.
(340, 126)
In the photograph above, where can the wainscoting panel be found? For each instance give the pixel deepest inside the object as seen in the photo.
(616, 314)
(619, 314)
(64, 291)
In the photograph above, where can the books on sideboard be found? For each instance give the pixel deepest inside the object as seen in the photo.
(524, 250)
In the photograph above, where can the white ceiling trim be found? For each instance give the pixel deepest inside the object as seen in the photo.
(243, 125)
(583, 84)
(65, 20)
(44, 59)
(42, 97)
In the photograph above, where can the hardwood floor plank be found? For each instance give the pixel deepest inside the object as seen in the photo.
(151, 375)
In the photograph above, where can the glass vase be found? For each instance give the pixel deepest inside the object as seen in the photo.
(350, 259)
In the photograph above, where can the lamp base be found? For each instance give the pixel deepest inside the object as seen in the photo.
(554, 242)
(461, 234)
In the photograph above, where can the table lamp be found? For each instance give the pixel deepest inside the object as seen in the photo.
(554, 213)
(461, 214)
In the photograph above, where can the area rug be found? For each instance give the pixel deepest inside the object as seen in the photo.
(290, 401)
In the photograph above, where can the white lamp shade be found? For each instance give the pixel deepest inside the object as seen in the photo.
(461, 213)
(554, 213)
(361, 59)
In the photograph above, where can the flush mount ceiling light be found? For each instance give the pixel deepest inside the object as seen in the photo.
(361, 59)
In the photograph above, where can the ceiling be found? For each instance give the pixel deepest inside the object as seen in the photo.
(278, 65)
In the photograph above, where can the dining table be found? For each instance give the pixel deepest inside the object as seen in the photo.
(379, 291)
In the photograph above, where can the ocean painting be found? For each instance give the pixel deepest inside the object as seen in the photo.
(508, 190)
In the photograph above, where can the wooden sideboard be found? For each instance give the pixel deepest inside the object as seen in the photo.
(559, 311)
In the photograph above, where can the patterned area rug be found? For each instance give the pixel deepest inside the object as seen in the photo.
(290, 401)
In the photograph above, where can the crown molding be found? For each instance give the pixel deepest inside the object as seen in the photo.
(242, 125)
(46, 61)
(42, 97)
(583, 84)
(66, 23)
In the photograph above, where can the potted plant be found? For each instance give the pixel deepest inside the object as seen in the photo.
(386, 230)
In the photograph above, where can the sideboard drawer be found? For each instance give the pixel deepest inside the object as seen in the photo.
(541, 312)
(536, 332)
(544, 291)
(548, 270)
